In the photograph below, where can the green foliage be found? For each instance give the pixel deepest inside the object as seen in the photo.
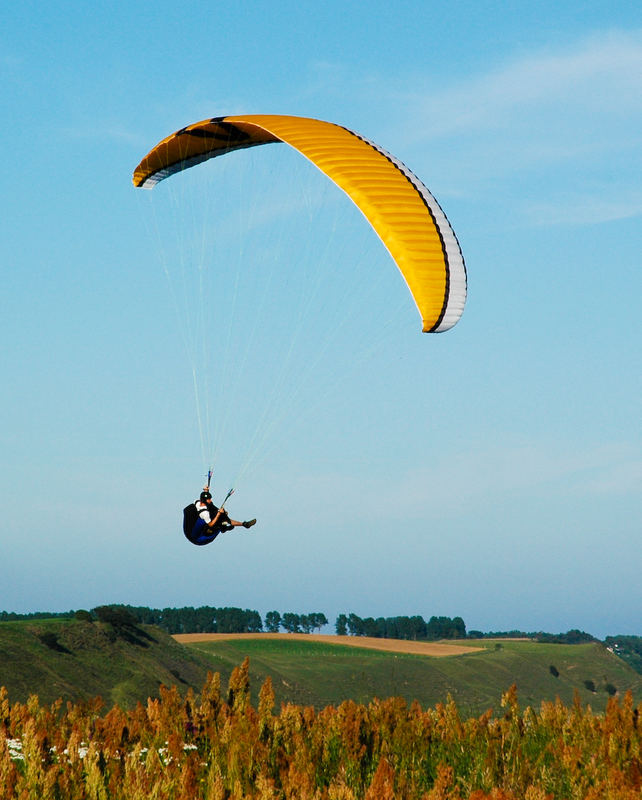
(570, 637)
(291, 622)
(628, 648)
(573, 636)
(204, 619)
(117, 616)
(272, 621)
(313, 621)
(295, 623)
(403, 627)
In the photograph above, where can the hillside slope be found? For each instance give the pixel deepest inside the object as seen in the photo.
(319, 674)
(73, 660)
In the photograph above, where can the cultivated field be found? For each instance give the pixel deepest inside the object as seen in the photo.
(327, 670)
(434, 649)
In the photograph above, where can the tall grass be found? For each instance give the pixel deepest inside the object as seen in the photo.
(218, 746)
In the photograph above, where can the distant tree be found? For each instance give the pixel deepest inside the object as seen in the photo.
(554, 671)
(590, 686)
(145, 615)
(355, 625)
(83, 616)
(610, 689)
(440, 628)
(253, 621)
(446, 628)
(116, 616)
(570, 637)
(628, 648)
(317, 619)
(272, 621)
(291, 622)
(235, 620)
(403, 627)
(305, 623)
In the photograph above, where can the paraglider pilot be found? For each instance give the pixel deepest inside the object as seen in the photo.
(203, 521)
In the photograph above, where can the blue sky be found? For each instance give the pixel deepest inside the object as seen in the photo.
(492, 472)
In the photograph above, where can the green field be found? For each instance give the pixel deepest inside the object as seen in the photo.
(74, 659)
(322, 674)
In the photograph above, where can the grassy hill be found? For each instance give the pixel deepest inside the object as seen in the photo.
(72, 659)
(75, 659)
(321, 674)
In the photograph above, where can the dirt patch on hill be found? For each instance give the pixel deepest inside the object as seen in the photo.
(435, 649)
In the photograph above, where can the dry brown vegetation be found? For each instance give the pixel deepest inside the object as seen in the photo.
(220, 747)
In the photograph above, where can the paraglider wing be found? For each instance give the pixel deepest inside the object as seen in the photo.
(402, 211)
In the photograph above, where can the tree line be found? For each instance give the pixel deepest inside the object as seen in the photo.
(203, 619)
(573, 636)
(295, 623)
(209, 619)
(401, 627)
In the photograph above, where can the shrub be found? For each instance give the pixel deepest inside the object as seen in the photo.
(50, 640)
(117, 616)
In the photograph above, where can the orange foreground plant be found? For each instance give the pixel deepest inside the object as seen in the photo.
(183, 748)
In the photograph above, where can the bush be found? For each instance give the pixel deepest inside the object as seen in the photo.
(116, 616)
(50, 640)
(554, 671)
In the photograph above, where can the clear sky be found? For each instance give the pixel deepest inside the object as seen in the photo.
(492, 472)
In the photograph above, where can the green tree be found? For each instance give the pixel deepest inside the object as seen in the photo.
(291, 622)
(317, 619)
(305, 623)
(341, 625)
(272, 621)
(116, 616)
(355, 625)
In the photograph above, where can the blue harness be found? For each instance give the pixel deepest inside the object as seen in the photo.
(196, 529)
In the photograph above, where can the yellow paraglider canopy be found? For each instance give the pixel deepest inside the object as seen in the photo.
(402, 211)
